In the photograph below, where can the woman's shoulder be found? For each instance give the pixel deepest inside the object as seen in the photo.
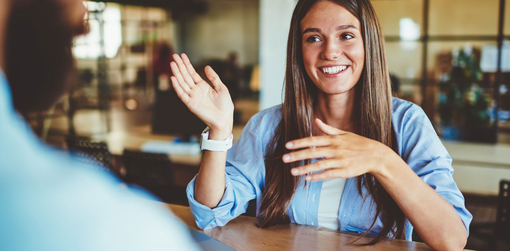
(412, 126)
(405, 112)
(409, 118)
(401, 107)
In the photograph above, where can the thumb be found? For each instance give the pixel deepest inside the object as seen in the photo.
(327, 129)
(213, 77)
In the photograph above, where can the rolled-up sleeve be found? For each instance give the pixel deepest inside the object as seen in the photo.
(244, 174)
(424, 152)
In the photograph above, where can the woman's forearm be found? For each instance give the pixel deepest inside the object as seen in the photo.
(436, 221)
(210, 181)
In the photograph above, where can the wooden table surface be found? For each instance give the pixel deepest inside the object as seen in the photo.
(242, 234)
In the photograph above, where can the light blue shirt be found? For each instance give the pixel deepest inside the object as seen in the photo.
(49, 201)
(418, 144)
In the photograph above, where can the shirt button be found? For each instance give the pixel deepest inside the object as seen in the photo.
(313, 198)
(313, 223)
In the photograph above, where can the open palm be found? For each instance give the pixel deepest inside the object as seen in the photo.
(213, 105)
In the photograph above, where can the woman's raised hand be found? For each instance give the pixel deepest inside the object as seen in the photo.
(345, 154)
(213, 105)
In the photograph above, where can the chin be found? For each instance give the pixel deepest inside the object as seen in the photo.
(335, 90)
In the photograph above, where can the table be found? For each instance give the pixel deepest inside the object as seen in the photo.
(242, 234)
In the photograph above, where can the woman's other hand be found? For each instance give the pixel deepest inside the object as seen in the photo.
(213, 105)
(345, 154)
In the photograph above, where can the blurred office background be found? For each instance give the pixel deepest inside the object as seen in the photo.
(451, 57)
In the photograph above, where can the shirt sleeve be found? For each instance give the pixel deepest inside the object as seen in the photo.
(424, 152)
(244, 177)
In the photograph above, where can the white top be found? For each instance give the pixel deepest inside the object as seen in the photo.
(329, 203)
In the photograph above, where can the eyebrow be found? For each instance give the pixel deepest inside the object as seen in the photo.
(338, 28)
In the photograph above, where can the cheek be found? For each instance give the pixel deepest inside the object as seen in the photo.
(358, 56)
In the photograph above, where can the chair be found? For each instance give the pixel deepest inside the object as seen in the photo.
(502, 226)
(148, 168)
(153, 172)
(495, 235)
(95, 153)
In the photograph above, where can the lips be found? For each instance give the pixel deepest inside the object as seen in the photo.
(333, 69)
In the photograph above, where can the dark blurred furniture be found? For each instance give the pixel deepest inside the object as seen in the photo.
(154, 172)
(496, 234)
(147, 168)
(502, 227)
(171, 116)
(88, 151)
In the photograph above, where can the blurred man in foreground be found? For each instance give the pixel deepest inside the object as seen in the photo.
(48, 200)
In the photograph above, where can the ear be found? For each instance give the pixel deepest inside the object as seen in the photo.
(327, 129)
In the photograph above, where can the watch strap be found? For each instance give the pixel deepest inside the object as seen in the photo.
(215, 145)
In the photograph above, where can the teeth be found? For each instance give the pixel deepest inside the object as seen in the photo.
(333, 70)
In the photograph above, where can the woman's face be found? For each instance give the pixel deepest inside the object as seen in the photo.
(333, 51)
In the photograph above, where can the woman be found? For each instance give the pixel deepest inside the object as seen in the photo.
(339, 152)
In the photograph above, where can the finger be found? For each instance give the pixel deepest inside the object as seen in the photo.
(183, 95)
(316, 141)
(178, 75)
(213, 77)
(328, 175)
(191, 70)
(327, 129)
(184, 88)
(184, 71)
(311, 153)
(316, 166)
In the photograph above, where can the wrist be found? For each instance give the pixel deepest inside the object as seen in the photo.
(210, 144)
(220, 133)
(387, 160)
(221, 128)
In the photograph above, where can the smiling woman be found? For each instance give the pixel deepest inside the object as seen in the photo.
(340, 152)
(333, 53)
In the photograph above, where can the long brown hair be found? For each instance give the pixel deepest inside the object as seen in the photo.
(373, 104)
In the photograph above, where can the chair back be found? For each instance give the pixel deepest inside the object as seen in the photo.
(502, 227)
(144, 168)
(86, 150)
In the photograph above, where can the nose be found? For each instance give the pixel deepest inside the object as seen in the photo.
(332, 50)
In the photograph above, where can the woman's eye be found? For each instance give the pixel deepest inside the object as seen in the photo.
(312, 39)
(347, 36)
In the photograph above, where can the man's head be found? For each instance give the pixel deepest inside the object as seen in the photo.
(38, 43)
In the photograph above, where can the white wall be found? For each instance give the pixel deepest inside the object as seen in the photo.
(228, 25)
(275, 19)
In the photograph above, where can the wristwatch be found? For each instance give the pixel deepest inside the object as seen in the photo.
(215, 145)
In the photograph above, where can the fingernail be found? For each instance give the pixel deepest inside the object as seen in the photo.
(289, 144)
(286, 157)
(308, 178)
(294, 171)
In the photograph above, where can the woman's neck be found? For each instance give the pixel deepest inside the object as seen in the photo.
(337, 110)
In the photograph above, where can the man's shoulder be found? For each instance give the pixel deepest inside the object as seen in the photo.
(76, 202)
